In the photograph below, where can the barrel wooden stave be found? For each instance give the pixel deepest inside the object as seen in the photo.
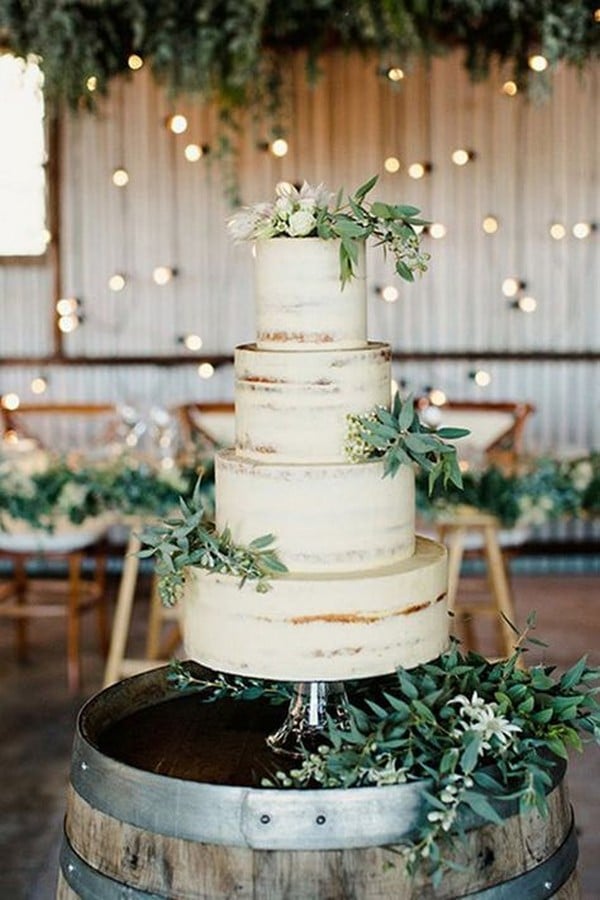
(172, 867)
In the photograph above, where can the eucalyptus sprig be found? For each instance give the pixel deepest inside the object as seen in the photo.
(478, 733)
(192, 540)
(400, 438)
(213, 686)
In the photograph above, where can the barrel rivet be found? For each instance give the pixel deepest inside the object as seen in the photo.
(84, 766)
(547, 885)
(265, 819)
(320, 820)
(70, 867)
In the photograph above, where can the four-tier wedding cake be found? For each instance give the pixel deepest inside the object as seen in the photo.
(362, 594)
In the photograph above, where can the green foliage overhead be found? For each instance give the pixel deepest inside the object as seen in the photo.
(232, 51)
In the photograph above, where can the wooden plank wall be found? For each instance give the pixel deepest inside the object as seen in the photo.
(535, 163)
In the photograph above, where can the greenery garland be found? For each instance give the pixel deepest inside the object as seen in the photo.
(234, 51)
(477, 732)
(541, 490)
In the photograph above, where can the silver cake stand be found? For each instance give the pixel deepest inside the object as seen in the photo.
(315, 706)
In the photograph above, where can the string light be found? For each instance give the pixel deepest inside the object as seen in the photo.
(117, 282)
(194, 152)
(511, 286)
(39, 384)
(490, 224)
(597, 15)
(66, 306)
(437, 230)
(135, 62)
(510, 88)
(68, 324)
(10, 401)
(191, 341)
(389, 293)
(395, 74)
(177, 123)
(527, 304)
(437, 397)
(206, 370)
(120, 177)
(557, 231)
(460, 156)
(583, 230)
(91, 83)
(419, 169)
(537, 63)
(279, 147)
(481, 377)
(392, 164)
(163, 275)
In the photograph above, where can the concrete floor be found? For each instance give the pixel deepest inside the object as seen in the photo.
(37, 721)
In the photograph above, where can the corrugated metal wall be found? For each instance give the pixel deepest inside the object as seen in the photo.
(535, 163)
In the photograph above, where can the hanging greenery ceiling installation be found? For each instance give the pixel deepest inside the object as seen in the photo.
(231, 51)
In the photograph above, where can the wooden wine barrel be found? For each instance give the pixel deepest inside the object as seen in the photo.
(162, 805)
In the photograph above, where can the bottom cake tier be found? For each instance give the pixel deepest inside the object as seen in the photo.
(320, 627)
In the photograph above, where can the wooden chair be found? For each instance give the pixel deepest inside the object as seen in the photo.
(118, 664)
(28, 592)
(497, 439)
(207, 425)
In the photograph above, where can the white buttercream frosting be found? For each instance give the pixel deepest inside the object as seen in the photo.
(299, 299)
(326, 518)
(320, 627)
(292, 406)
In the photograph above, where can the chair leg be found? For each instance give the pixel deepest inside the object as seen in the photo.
(155, 619)
(123, 608)
(21, 623)
(74, 623)
(101, 604)
(501, 589)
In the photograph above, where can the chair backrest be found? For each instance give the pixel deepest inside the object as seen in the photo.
(496, 428)
(209, 425)
(61, 427)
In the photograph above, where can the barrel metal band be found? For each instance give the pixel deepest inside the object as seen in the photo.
(541, 882)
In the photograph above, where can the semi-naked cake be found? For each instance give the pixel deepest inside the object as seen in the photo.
(362, 595)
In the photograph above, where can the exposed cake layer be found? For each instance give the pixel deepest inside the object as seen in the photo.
(292, 407)
(299, 299)
(326, 518)
(325, 628)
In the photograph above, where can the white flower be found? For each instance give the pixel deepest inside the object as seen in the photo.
(72, 496)
(286, 191)
(301, 223)
(469, 706)
(321, 196)
(582, 475)
(284, 205)
(248, 222)
(483, 719)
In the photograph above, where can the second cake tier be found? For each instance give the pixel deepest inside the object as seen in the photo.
(292, 406)
(325, 518)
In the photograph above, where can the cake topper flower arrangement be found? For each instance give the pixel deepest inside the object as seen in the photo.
(315, 212)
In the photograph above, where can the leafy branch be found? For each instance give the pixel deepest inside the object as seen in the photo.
(213, 686)
(400, 438)
(192, 540)
(391, 225)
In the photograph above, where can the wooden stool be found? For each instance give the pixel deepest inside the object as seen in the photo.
(24, 597)
(453, 532)
(118, 665)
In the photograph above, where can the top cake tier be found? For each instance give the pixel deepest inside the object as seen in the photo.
(300, 303)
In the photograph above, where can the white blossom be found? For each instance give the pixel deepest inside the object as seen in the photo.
(301, 223)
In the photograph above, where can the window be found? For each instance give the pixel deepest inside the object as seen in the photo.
(23, 230)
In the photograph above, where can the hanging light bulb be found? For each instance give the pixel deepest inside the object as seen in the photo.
(67, 305)
(163, 275)
(395, 74)
(279, 147)
(510, 88)
(117, 282)
(418, 170)
(461, 157)
(527, 304)
(39, 384)
(490, 224)
(191, 341)
(389, 293)
(177, 123)
(437, 230)
(537, 62)
(91, 83)
(120, 177)
(583, 230)
(511, 286)
(194, 152)
(135, 62)
(391, 164)
(558, 231)
(10, 401)
(437, 397)
(206, 370)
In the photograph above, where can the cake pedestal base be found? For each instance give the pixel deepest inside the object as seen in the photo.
(314, 706)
